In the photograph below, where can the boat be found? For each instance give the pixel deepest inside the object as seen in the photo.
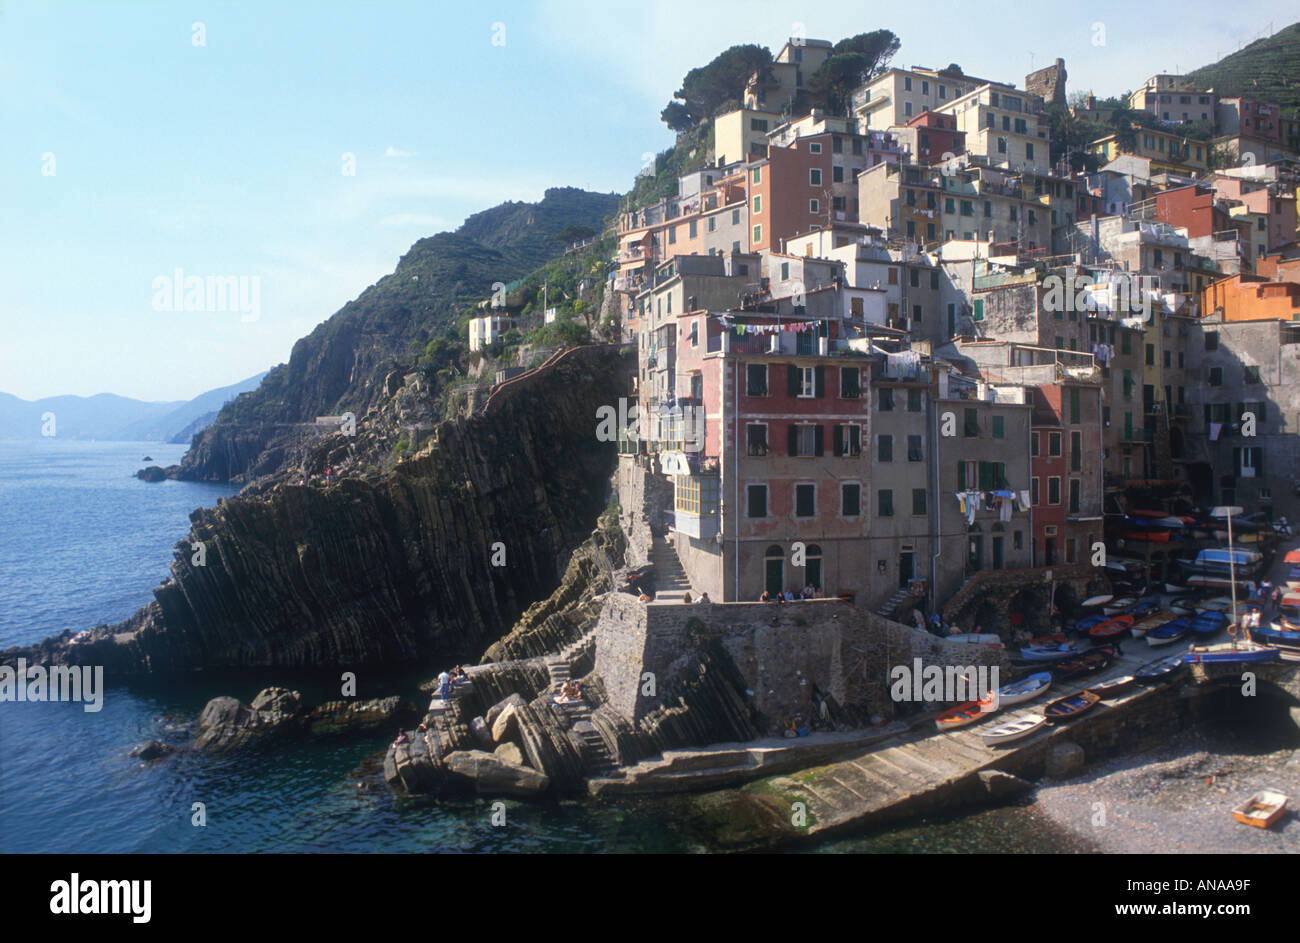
(1172, 631)
(1024, 690)
(1159, 670)
(1070, 706)
(1112, 628)
(1208, 623)
(1219, 581)
(1045, 640)
(1144, 606)
(1173, 589)
(975, 638)
(1118, 606)
(1013, 730)
(1093, 601)
(964, 714)
(1281, 634)
(1183, 609)
(1225, 561)
(1113, 687)
(1262, 809)
(1049, 652)
(1231, 653)
(1088, 663)
(1087, 622)
(1217, 604)
(1148, 622)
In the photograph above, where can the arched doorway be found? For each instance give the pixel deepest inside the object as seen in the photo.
(774, 569)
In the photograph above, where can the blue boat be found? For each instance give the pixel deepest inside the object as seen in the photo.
(1283, 634)
(1024, 690)
(1159, 670)
(1049, 652)
(1087, 622)
(1230, 653)
(1207, 623)
(1168, 633)
(1144, 606)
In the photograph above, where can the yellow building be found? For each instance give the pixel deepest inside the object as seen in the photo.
(1168, 153)
(738, 134)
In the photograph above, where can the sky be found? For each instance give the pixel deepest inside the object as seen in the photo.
(294, 151)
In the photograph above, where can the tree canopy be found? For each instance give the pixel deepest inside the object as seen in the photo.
(853, 62)
(720, 83)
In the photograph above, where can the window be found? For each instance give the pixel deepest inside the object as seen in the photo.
(758, 234)
(884, 448)
(672, 235)
(735, 218)
(803, 382)
(814, 147)
(886, 399)
(972, 423)
(805, 441)
(850, 383)
(999, 430)
(1252, 374)
(1126, 343)
(814, 207)
(805, 501)
(979, 310)
(1033, 443)
(785, 271)
(1075, 491)
(1216, 376)
(756, 379)
(814, 177)
(1169, 360)
(850, 499)
(758, 124)
(914, 449)
(1211, 340)
(914, 277)
(1033, 491)
(848, 441)
(756, 175)
(1053, 444)
(837, 173)
(1151, 355)
(1074, 405)
(892, 276)
(1029, 155)
(756, 438)
(1054, 490)
(758, 203)
(918, 500)
(914, 404)
(885, 502)
(1076, 451)
(757, 500)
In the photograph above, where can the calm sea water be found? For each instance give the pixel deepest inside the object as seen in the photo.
(83, 542)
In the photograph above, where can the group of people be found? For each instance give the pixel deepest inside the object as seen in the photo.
(447, 682)
(808, 592)
(569, 691)
(686, 598)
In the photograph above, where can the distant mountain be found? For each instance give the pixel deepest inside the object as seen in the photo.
(1267, 69)
(113, 418)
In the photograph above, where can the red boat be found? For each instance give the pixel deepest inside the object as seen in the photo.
(1086, 664)
(964, 714)
(1111, 628)
(1045, 641)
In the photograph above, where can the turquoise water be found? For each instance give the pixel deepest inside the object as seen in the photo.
(83, 542)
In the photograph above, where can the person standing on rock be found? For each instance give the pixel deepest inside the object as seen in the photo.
(444, 686)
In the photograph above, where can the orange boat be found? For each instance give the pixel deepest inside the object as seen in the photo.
(1262, 809)
(1111, 628)
(964, 714)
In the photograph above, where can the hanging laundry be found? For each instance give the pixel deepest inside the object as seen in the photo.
(1215, 429)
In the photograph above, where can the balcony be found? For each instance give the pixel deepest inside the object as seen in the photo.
(696, 504)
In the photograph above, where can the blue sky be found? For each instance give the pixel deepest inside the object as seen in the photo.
(226, 159)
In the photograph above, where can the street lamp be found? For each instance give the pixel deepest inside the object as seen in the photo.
(1227, 510)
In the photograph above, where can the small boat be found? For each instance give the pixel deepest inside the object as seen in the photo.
(1113, 687)
(1144, 606)
(1119, 606)
(1049, 652)
(1172, 631)
(1093, 601)
(1087, 622)
(1281, 634)
(1208, 623)
(964, 714)
(1173, 589)
(1070, 706)
(1148, 622)
(1159, 670)
(1024, 690)
(1230, 653)
(975, 638)
(1217, 604)
(1183, 609)
(1043, 641)
(1262, 809)
(1110, 629)
(1225, 561)
(1013, 730)
(1089, 663)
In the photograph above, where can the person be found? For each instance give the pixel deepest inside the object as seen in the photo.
(686, 598)
(809, 592)
(644, 598)
(329, 474)
(704, 597)
(789, 595)
(766, 597)
(444, 686)
(401, 738)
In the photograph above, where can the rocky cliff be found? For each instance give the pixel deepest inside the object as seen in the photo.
(399, 568)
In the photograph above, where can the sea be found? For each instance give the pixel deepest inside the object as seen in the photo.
(83, 542)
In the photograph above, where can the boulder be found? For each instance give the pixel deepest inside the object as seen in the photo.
(152, 750)
(493, 776)
(277, 701)
(344, 716)
(482, 733)
(999, 785)
(495, 710)
(152, 474)
(506, 726)
(1064, 759)
(510, 753)
(409, 768)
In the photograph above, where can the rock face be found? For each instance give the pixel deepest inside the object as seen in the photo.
(400, 569)
(151, 474)
(227, 723)
(152, 750)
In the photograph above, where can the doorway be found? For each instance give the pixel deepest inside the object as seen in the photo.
(775, 569)
(906, 568)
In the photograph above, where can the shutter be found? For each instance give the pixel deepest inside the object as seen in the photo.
(1207, 417)
(1262, 414)
(793, 448)
(793, 376)
(961, 476)
(1241, 408)
(1259, 462)
(839, 441)
(818, 439)
(1236, 463)
(819, 383)
(1001, 473)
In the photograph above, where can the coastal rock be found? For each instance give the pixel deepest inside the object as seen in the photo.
(152, 474)
(505, 725)
(1064, 759)
(343, 716)
(510, 753)
(409, 767)
(999, 785)
(481, 732)
(495, 710)
(227, 723)
(493, 776)
(152, 750)
(277, 701)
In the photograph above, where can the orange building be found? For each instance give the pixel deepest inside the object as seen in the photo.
(1252, 298)
(789, 192)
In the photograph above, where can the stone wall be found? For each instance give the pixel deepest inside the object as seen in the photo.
(643, 498)
(1048, 83)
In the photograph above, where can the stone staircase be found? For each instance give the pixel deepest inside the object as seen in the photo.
(671, 582)
(890, 608)
(596, 756)
(438, 706)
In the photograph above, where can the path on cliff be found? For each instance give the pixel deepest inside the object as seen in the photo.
(671, 582)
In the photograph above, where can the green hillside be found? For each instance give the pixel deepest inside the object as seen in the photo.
(1267, 69)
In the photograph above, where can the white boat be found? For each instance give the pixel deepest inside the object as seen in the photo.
(975, 638)
(1012, 730)
(1217, 604)
(1024, 690)
(1118, 606)
(1174, 589)
(1113, 686)
(1094, 601)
